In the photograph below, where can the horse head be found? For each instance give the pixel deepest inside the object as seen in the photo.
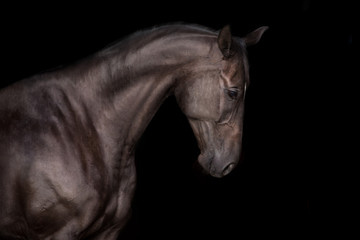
(212, 95)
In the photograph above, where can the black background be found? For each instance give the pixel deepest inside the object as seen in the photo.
(288, 183)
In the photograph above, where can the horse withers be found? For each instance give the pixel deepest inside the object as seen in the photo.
(67, 137)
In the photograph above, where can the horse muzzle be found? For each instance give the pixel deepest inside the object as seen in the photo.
(220, 146)
(216, 167)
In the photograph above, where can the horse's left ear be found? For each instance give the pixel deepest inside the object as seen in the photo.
(254, 37)
(225, 41)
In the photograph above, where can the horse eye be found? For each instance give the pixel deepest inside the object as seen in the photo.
(232, 94)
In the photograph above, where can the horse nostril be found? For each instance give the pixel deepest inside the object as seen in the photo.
(228, 169)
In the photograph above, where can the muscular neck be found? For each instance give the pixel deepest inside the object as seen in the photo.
(132, 82)
(126, 102)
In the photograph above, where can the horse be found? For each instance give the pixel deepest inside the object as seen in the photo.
(67, 136)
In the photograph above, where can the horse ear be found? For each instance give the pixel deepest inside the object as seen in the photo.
(225, 41)
(254, 37)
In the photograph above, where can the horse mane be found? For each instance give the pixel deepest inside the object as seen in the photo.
(176, 27)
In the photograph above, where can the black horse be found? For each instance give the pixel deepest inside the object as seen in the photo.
(67, 137)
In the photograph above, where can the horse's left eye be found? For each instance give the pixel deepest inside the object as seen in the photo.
(233, 94)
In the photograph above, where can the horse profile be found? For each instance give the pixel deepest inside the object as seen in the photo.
(67, 137)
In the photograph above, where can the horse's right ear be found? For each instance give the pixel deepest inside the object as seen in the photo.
(225, 41)
(254, 37)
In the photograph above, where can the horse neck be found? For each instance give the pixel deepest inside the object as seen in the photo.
(130, 87)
